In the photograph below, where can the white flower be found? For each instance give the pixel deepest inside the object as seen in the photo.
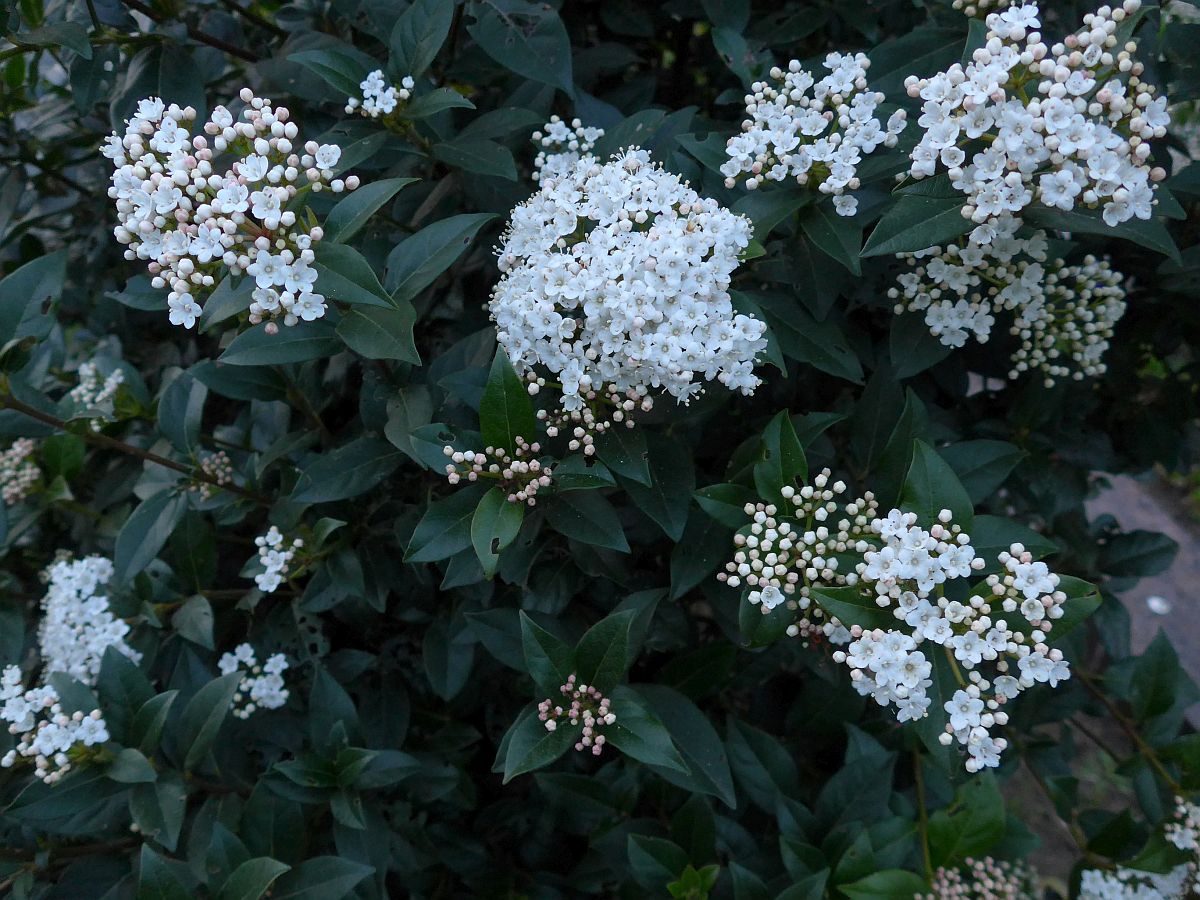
(561, 145)
(45, 732)
(184, 310)
(309, 306)
(267, 206)
(254, 168)
(378, 97)
(1063, 315)
(327, 156)
(964, 710)
(267, 270)
(275, 555)
(781, 558)
(19, 474)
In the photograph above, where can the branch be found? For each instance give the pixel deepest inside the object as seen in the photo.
(103, 440)
(254, 17)
(195, 34)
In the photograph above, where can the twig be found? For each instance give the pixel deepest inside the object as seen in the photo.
(300, 399)
(254, 17)
(923, 815)
(195, 34)
(1130, 731)
(103, 440)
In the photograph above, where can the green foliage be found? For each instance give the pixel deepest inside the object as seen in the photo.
(424, 620)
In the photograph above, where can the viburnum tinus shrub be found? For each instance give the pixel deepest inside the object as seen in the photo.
(550, 450)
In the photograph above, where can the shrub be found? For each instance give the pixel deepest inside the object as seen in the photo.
(502, 449)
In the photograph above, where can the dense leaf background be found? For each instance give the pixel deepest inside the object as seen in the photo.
(429, 618)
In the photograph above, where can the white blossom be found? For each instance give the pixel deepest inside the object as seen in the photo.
(378, 97)
(77, 623)
(615, 278)
(1063, 315)
(94, 395)
(1066, 124)
(47, 736)
(261, 687)
(820, 540)
(561, 145)
(19, 473)
(275, 554)
(816, 132)
(193, 221)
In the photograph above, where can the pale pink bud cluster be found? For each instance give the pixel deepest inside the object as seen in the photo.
(600, 411)
(520, 474)
(217, 466)
(984, 879)
(587, 706)
(19, 474)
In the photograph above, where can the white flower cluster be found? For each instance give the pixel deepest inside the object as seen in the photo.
(519, 474)
(816, 132)
(1065, 125)
(1131, 884)
(902, 567)
(261, 687)
(192, 219)
(1063, 315)
(378, 97)
(276, 555)
(561, 146)
(77, 628)
(984, 879)
(615, 277)
(588, 706)
(1184, 831)
(47, 735)
(19, 473)
(94, 393)
(77, 623)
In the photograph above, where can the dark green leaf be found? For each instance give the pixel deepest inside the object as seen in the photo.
(588, 517)
(415, 262)
(494, 526)
(506, 412)
(932, 486)
(526, 38)
(203, 715)
(419, 34)
(348, 471)
(548, 660)
(355, 209)
(252, 879)
(445, 529)
(377, 333)
(145, 532)
(297, 343)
